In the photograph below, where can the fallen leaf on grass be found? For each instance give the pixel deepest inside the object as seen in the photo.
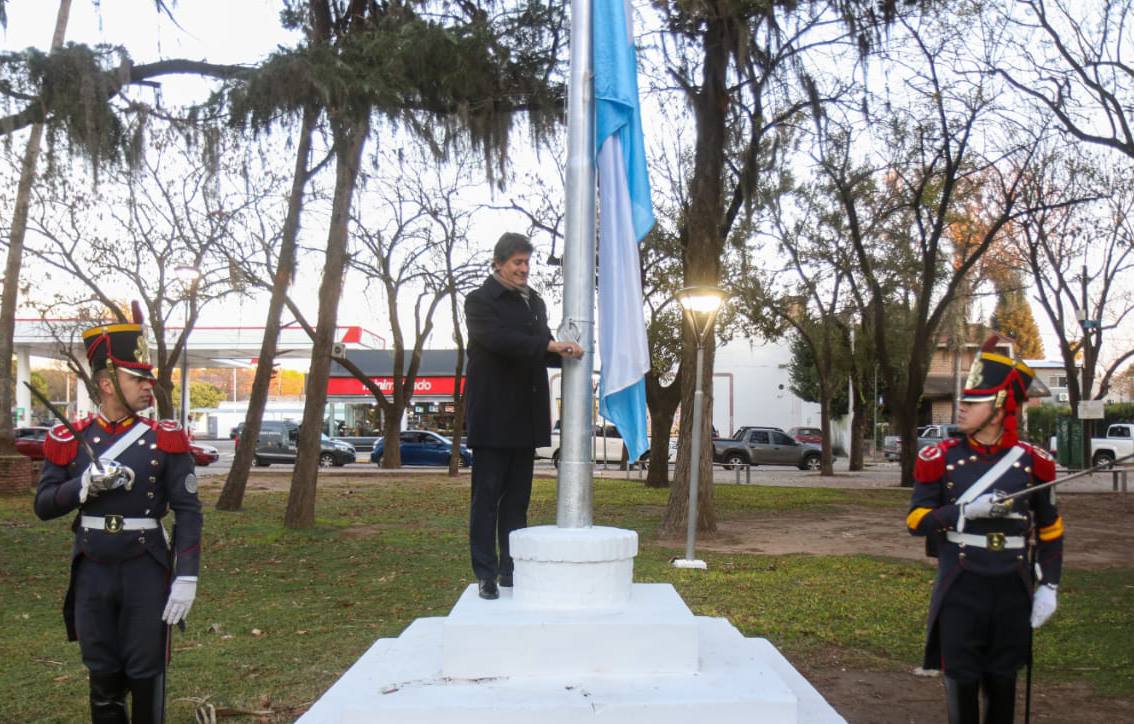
(257, 632)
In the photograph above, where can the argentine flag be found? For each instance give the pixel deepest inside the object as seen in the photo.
(625, 215)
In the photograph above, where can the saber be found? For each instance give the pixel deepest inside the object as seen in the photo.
(1060, 481)
(70, 428)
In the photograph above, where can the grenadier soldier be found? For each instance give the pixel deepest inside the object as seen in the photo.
(129, 583)
(988, 595)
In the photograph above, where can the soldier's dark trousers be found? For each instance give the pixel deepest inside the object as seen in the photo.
(984, 626)
(108, 698)
(118, 609)
(501, 490)
(148, 700)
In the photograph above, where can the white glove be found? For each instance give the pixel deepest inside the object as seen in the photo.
(981, 506)
(181, 595)
(112, 475)
(1043, 605)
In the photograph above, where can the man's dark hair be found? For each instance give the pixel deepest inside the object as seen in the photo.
(96, 379)
(509, 245)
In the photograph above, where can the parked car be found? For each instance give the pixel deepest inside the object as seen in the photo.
(926, 435)
(422, 447)
(766, 446)
(810, 435)
(1118, 443)
(278, 440)
(29, 441)
(203, 455)
(742, 431)
(606, 445)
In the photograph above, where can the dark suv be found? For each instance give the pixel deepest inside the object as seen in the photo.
(765, 446)
(278, 440)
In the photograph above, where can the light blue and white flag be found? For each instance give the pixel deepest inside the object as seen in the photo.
(626, 215)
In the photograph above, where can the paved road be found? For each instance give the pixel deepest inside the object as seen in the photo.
(876, 475)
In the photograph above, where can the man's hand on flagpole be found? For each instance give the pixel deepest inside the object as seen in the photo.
(565, 349)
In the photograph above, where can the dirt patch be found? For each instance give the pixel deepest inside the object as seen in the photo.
(865, 696)
(1099, 534)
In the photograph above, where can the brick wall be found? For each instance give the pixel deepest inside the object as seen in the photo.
(18, 475)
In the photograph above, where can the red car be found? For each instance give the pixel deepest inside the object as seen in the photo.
(203, 454)
(29, 441)
(811, 435)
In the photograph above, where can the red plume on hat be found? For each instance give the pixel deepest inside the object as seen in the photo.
(136, 310)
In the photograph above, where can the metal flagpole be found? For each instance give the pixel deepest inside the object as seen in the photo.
(575, 466)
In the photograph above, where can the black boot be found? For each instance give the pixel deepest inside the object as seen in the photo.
(108, 698)
(963, 698)
(999, 699)
(149, 700)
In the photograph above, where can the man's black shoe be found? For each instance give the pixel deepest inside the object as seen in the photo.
(488, 589)
(506, 581)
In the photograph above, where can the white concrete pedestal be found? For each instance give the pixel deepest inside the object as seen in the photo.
(575, 641)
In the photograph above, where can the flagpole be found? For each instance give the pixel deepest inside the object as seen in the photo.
(575, 465)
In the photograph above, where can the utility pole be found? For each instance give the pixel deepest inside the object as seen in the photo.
(1084, 391)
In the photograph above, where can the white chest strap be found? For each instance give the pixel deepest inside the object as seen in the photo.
(986, 481)
(132, 435)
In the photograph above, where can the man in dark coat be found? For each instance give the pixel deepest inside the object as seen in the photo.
(985, 602)
(507, 404)
(121, 599)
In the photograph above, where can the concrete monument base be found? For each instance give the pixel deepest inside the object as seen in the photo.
(622, 653)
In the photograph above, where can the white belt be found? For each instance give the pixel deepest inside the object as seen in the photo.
(117, 523)
(991, 541)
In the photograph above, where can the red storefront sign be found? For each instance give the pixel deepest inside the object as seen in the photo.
(424, 386)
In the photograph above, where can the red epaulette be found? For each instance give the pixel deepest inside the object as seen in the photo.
(60, 446)
(171, 437)
(1043, 464)
(930, 464)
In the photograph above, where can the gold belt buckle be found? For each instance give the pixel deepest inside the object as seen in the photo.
(113, 523)
(996, 541)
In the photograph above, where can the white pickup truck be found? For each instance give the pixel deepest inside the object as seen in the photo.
(1118, 443)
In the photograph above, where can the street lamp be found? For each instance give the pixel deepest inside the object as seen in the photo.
(189, 276)
(701, 305)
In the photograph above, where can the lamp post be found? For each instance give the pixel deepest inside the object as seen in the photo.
(189, 275)
(700, 305)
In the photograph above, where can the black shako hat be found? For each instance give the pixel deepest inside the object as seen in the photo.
(120, 345)
(996, 377)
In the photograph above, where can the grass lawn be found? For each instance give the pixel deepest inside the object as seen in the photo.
(280, 613)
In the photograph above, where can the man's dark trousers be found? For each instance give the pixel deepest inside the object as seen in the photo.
(501, 489)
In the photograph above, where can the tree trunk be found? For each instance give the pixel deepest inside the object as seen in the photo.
(702, 267)
(350, 138)
(392, 434)
(858, 424)
(15, 258)
(662, 403)
(826, 466)
(232, 495)
(458, 398)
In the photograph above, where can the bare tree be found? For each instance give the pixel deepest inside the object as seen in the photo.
(14, 261)
(929, 163)
(161, 234)
(1077, 241)
(400, 246)
(1072, 59)
(281, 272)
